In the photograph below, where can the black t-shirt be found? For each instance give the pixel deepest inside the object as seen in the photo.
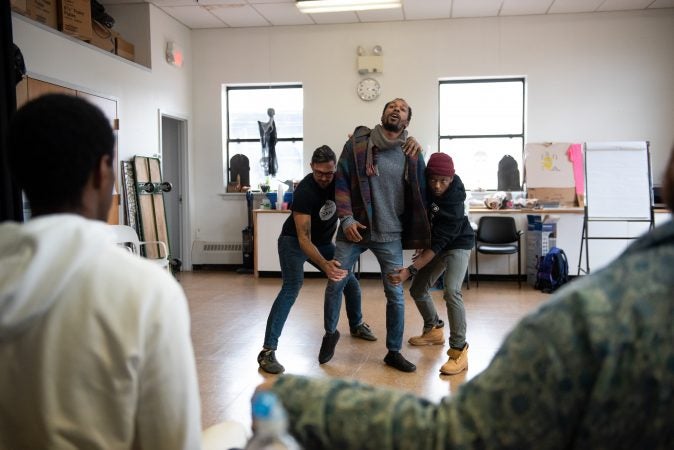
(310, 198)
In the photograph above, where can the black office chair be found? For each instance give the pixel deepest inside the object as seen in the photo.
(498, 235)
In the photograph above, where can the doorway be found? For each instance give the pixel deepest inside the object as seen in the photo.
(173, 132)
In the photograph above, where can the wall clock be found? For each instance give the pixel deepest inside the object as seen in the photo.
(368, 89)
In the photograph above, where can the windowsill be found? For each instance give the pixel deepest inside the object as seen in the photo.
(558, 210)
(491, 191)
(243, 194)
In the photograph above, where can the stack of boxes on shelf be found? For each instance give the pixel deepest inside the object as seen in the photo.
(43, 11)
(73, 17)
(102, 37)
(541, 237)
(124, 48)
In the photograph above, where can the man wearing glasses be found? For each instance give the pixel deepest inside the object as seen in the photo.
(380, 193)
(307, 234)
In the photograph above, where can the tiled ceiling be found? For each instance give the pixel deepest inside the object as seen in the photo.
(196, 14)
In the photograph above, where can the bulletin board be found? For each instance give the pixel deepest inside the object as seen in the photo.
(618, 180)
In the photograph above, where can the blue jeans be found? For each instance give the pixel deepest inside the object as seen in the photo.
(454, 263)
(390, 257)
(292, 260)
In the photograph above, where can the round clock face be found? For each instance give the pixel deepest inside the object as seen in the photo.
(368, 89)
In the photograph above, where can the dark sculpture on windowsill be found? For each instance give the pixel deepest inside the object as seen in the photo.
(268, 140)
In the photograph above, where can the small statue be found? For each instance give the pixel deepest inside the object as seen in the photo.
(268, 141)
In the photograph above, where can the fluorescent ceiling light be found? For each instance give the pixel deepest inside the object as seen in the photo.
(320, 6)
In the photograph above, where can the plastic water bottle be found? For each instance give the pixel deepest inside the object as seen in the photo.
(270, 424)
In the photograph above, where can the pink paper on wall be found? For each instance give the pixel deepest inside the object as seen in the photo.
(575, 154)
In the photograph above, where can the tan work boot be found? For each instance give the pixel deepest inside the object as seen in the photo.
(457, 362)
(434, 336)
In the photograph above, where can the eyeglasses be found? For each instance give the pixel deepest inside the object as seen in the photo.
(321, 174)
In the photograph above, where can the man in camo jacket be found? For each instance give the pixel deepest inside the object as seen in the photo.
(593, 368)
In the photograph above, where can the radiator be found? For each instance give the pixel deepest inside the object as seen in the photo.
(204, 252)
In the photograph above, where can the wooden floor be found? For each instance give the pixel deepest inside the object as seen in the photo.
(229, 313)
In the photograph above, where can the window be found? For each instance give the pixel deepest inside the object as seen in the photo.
(480, 122)
(248, 105)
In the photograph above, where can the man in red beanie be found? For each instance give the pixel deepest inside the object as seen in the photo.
(452, 238)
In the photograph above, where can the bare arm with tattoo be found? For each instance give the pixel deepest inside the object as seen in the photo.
(330, 268)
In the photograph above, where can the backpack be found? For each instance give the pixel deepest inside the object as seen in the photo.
(99, 15)
(553, 270)
(508, 174)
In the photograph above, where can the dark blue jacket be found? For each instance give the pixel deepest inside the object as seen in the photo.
(450, 228)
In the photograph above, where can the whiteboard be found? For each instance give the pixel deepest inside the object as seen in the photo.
(617, 176)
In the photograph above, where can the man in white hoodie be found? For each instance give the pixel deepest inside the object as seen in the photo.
(95, 348)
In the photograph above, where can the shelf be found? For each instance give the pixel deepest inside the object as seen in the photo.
(67, 37)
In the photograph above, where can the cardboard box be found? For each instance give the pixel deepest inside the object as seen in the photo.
(563, 197)
(541, 236)
(102, 37)
(548, 165)
(580, 199)
(20, 6)
(43, 11)
(124, 48)
(74, 18)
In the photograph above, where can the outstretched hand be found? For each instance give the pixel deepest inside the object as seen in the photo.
(266, 384)
(351, 232)
(399, 276)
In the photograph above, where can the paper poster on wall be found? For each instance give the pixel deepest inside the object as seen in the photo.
(547, 165)
(618, 180)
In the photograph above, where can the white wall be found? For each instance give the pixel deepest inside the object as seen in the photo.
(131, 22)
(601, 76)
(140, 92)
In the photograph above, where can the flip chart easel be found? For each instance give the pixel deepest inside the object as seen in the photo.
(617, 189)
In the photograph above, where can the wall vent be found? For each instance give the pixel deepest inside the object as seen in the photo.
(204, 252)
(222, 247)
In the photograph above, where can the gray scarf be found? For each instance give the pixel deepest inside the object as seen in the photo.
(378, 141)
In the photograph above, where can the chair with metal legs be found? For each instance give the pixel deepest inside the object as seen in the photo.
(127, 237)
(498, 235)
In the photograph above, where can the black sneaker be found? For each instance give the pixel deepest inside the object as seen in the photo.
(397, 361)
(328, 347)
(267, 361)
(363, 331)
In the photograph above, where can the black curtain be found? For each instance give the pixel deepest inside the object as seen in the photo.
(11, 207)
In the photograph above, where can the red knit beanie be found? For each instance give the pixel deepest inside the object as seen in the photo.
(440, 164)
